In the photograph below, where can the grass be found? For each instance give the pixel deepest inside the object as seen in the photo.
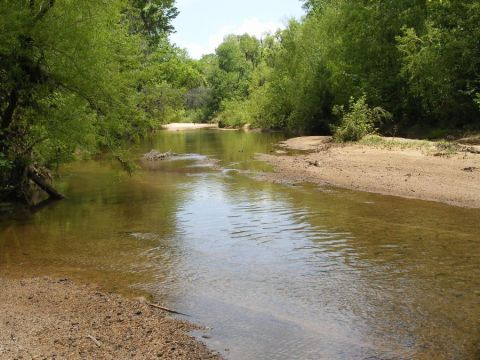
(396, 143)
(447, 148)
(437, 148)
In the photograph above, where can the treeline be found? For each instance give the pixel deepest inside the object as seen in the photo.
(79, 77)
(409, 67)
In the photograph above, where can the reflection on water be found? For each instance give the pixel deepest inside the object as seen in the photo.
(278, 272)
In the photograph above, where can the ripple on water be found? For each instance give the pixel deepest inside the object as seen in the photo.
(279, 272)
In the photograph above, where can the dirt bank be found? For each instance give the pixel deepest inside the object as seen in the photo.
(188, 126)
(399, 167)
(46, 319)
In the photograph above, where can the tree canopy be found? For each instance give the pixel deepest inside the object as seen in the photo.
(78, 77)
(419, 60)
(81, 76)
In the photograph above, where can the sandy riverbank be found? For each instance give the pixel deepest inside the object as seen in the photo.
(410, 170)
(188, 126)
(43, 318)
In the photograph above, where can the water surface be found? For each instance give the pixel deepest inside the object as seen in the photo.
(276, 271)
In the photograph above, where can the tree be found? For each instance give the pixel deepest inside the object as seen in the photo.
(441, 63)
(72, 80)
(156, 19)
(419, 60)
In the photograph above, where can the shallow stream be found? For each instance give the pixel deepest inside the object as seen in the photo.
(276, 271)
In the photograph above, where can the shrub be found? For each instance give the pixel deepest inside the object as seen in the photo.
(234, 113)
(358, 121)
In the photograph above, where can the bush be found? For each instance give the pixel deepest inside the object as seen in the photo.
(358, 121)
(196, 116)
(234, 113)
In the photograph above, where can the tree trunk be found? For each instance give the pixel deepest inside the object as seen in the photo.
(7, 115)
(33, 175)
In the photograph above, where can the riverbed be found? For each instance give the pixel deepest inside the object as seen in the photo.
(276, 271)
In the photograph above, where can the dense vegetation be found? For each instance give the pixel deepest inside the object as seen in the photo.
(78, 77)
(418, 61)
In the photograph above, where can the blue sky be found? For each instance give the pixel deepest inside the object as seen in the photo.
(202, 24)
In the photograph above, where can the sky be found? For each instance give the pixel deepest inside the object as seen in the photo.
(202, 24)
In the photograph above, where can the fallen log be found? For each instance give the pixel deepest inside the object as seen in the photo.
(40, 181)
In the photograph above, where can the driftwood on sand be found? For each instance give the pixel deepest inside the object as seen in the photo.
(156, 155)
(95, 341)
(166, 309)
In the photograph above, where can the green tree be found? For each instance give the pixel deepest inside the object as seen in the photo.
(155, 19)
(441, 63)
(73, 80)
(419, 60)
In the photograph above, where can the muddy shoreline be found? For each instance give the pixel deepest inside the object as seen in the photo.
(410, 171)
(45, 318)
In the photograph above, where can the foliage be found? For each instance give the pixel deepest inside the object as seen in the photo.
(82, 77)
(86, 76)
(420, 60)
(228, 74)
(167, 77)
(154, 19)
(441, 62)
(234, 114)
(358, 121)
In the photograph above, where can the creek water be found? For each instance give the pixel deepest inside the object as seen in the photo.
(276, 271)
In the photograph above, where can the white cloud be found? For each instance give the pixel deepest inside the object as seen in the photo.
(252, 26)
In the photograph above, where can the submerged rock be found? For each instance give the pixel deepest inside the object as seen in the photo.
(143, 236)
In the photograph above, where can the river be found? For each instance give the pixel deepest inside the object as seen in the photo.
(276, 271)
